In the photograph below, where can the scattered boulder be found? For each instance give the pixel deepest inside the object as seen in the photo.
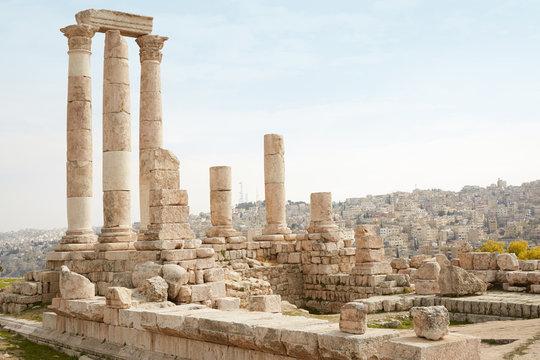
(118, 297)
(454, 281)
(175, 276)
(430, 322)
(416, 260)
(442, 260)
(143, 271)
(74, 286)
(154, 289)
(399, 263)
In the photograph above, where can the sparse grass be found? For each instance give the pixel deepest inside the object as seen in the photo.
(454, 323)
(406, 322)
(5, 282)
(521, 350)
(34, 313)
(21, 348)
(298, 312)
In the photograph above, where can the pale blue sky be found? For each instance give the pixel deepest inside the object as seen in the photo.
(371, 96)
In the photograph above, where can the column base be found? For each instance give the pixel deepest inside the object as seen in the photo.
(276, 229)
(75, 247)
(77, 241)
(116, 239)
(222, 231)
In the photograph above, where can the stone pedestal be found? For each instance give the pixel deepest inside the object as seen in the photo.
(150, 116)
(274, 185)
(79, 235)
(116, 233)
(369, 252)
(454, 346)
(221, 202)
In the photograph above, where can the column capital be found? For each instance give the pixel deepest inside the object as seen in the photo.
(79, 36)
(150, 46)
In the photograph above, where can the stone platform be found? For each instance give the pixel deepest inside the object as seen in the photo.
(197, 332)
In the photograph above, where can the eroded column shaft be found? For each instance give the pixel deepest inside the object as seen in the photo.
(116, 142)
(150, 115)
(274, 185)
(79, 138)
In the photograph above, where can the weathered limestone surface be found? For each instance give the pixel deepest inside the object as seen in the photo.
(353, 318)
(461, 347)
(265, 303)
(430, 322)
(79, 139)
(369, 252)
(454, 281)
(507, 262)
(118, 297)
(75, 286)
(274, 185)
(104, 20)
(116, 146)
(150, 115)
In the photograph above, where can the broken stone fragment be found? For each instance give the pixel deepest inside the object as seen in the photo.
(144, 271)
(430, 322)
(118, 298)
(154, 289)
(74, 286)
(454, 281)
(265, 303)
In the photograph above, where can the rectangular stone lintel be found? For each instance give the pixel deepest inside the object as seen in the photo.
(129, 24)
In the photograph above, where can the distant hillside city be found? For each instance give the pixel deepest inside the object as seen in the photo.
(422, 222)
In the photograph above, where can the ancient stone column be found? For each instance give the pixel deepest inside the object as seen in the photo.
(79, 235)
(274, 185)
(321, 213)
(116, 233)
(150, 122)
(221, 202)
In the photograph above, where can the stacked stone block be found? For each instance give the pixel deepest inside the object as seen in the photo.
(150, 116)
(169, 211)
(79, 235)
(37, 287)
(369, 252)
(116, 233)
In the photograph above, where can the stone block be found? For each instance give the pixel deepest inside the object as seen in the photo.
(205, 252)
(507, 262)
(179, 254)
(372, 268)
(466, 260)
(214, 274)
(481, 260)
(164, 197)
(49, 320)
(369, 242)
(400, 263)
(169, 214)
(353, 318)
(228, 303)
(417, 260)
(169, 231)
(369, 255)
(426, 287)
(430, 322)
(75, 286)
(461, 347)
(535, 288)
(208, 291)
(265, 303)
(527, 265)
(144, 271)
(429, 270)
(118, 298)
(533, 277)
(128, 24)
(517, 278)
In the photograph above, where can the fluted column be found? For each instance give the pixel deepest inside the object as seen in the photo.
(116, 233)
(79, 235)
(150, 118)
(274, 185)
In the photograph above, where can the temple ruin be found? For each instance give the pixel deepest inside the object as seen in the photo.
(164, 291)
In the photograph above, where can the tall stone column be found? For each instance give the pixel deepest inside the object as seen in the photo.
(116, 233)
(150, 116)
(79, 235)
(221, 202)
(274, 185)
